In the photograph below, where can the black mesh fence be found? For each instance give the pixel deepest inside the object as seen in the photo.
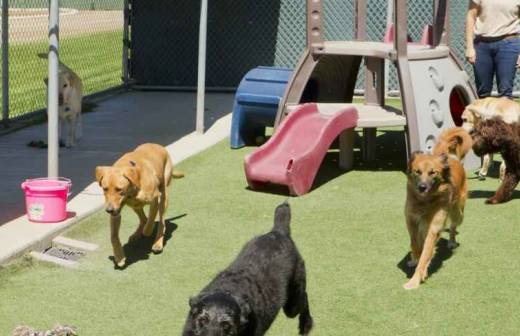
(243, 34)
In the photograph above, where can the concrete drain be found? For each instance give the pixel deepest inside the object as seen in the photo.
(64, 253)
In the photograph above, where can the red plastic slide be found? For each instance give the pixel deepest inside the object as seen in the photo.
(294, 153)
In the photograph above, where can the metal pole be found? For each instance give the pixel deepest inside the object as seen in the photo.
(126, 41)
(5, 62)
(201, 80)
(389, 22)
(52, 103)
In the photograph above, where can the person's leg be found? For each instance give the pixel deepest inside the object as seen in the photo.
(505, 59)
(484, 68)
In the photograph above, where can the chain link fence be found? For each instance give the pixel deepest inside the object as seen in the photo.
(242, 34)
(91, 33)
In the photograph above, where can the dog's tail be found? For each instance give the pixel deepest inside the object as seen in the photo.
(454, 142)
(282, 219)
(177, 174)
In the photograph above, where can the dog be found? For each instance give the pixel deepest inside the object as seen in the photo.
(487, 108)
(137, 179)
(495, 135)
(436, 190)
(70, 96)
(244, 299)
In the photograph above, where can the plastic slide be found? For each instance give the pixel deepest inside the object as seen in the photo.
(293, 155)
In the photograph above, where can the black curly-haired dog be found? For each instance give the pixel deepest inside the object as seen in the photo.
(244, 299)
(492, 136)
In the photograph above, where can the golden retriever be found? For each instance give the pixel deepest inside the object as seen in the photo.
(436, 191)
(137, 179)
(487, 108)
(70, 96)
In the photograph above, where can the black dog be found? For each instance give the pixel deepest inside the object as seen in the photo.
(244, 299)
(492, 136)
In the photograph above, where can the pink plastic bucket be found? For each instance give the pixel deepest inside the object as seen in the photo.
(46, 199)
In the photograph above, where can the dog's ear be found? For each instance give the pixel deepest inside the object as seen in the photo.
(412, 159)
(100, 173)
(193, 301)
(132, 174)
(245, 310)
(195, 305)
(445, 166)
(245, 314)
(455, 142)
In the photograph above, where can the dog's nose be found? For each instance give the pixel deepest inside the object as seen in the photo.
(111, 210)
(422, 187)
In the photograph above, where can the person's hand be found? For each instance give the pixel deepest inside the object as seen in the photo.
(518, 62)
(471, 56)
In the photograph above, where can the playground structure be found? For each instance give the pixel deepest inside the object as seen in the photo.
(433, 85)
(256, 103)
(283, 160)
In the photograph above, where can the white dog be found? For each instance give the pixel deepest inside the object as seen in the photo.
(487, 108)
(70, 98)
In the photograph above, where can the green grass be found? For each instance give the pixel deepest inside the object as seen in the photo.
(350, 230)
(96, 58)
(77, 4)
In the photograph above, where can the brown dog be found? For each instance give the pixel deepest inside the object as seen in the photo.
(436, 191)
(487, 108)
(495, 135)
(137, 179)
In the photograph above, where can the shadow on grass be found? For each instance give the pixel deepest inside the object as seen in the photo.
(489, 193)
(442, 254)
(493, 172)
(390, 156)
(141, 249)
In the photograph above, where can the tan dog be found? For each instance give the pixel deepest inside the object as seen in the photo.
(487, 108)
(436, 191)
(70, 96)
(137, 179)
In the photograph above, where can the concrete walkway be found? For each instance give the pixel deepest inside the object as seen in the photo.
(117, 125)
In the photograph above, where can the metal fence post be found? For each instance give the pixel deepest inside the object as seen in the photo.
(126, 42)
(52, 102)
(201, 78)
(389, 21)
(5, 62)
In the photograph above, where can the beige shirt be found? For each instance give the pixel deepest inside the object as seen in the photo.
(497, 17)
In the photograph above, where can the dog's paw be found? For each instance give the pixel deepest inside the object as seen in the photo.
(481, 177)
(119, 262)
(492, 200)
(157, 248)
(411, 263)
(452, 244)
(412, 284)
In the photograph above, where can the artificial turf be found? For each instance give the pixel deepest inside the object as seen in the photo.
(350, 230)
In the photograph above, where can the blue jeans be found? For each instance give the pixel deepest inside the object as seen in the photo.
(496, 58)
